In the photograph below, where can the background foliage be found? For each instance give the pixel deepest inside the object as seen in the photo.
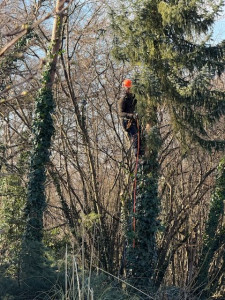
(88, 178)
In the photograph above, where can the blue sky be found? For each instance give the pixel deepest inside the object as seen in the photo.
(219, 27)
(219, 30)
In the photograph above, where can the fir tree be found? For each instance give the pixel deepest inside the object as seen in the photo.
(167, 42)
(164, 39)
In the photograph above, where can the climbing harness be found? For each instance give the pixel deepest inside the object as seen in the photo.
(135, 180)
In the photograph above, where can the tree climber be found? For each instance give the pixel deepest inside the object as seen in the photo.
(127, 107)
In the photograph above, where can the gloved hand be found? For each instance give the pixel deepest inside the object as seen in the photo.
(135, 116)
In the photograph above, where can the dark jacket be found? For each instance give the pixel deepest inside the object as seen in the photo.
(127, 106)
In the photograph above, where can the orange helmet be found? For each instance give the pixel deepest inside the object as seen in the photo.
(127, 83)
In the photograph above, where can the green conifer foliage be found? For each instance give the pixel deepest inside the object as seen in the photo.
(166, 43)
(166, 37)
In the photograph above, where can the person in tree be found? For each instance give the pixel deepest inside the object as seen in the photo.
(127, 112)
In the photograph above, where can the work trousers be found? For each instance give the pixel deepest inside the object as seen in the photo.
(132, 131)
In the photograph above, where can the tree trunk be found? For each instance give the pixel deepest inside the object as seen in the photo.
(141, 252)
(32, 256)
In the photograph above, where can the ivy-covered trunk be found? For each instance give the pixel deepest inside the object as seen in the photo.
(33, 261)
(142, 252)
(212, 259)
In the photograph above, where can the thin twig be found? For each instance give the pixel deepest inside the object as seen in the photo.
(22, 33)
(125, 283)
(15, 85)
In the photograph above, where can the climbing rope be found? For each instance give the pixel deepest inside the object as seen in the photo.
(135, 180)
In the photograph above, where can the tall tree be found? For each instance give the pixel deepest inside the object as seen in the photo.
(33, 261)
(168, 42)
